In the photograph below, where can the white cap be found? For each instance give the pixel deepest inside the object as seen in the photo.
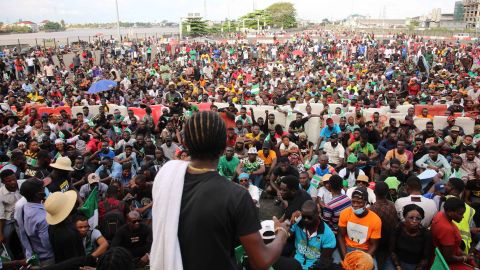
(252, 150)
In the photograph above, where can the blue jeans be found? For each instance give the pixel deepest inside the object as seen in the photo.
(405, 266)
(256, 179)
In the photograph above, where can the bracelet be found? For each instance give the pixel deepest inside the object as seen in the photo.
(283, 230)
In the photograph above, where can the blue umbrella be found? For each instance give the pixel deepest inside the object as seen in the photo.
(102, 85)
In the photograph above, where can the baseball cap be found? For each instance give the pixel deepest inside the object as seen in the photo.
(329, 121)
(440, 187)
(334, 136)
(93, 178)
(252, 150)
(360, 192)
(455, 128)
(451, 118)
(267, 231)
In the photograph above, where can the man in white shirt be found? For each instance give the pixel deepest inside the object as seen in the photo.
(414, 188)
(244, 180)
(351, 172)
(334, 151)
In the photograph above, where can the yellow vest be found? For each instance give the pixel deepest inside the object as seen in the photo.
(464, 226)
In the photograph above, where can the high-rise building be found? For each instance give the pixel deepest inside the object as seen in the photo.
(471, 13)
(458, 12)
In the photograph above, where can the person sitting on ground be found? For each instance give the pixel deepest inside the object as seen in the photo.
(93, 241)
(410, 246)
(314, 240)
(362, 181)
(135, 236)
(359, 227)
(93, 182)
(244, 180)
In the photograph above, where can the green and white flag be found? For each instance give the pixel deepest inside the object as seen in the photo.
(90, 208)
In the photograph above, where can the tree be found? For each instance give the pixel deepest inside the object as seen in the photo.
(283, 14)
(195, 27)
(251, 19)
(62, 22)
(413, 24)
(52, 26)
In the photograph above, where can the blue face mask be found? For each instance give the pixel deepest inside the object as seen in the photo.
(359, 211)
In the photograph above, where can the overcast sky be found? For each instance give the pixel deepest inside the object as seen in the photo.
(80, 11)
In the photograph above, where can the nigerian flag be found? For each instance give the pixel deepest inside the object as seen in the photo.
(90, 208)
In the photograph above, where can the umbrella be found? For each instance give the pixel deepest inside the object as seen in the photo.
(298, 53)
(102, 85)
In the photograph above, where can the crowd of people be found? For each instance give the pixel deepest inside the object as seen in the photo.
(372, 193)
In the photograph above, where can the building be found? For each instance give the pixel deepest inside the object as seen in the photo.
(471, 13)
(42, 23)
(359, 21)
(33, 26)
(458, 12)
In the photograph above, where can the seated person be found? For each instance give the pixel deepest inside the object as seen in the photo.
(314, 240)
(93, 182)
(244, 181)
(134, 236)
(93, 241)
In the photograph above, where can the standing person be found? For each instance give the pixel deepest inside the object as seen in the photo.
(358, 227)
(9, 195)
(206, 212)
(64, 237)
(33, 224)
(410, 246)
(446, 236)
(385, 209)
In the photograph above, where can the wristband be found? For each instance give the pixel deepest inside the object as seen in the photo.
(283, 230)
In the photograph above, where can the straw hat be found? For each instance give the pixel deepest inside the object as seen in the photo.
(62, 163)
(59, 205)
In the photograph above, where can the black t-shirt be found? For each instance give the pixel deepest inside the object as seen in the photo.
(214, 214)
(66, 241)
(474, 187)
(296, 203)
(290, 171)
(298, 126)
(138, 242)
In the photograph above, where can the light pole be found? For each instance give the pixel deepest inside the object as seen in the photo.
(118, 22)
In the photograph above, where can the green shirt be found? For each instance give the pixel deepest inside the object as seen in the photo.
(227, 168)
(367, 149)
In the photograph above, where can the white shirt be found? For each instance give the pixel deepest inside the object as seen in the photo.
(371, 195)
(255, 193)
(351, 177)
(428, 206)
(326, 196)
(334, 154)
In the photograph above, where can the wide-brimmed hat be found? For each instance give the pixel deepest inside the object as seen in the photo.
(62, 163)
(59, 205)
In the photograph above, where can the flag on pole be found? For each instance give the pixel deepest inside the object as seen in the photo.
(90, 208)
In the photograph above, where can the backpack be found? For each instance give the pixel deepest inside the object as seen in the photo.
(112, 220)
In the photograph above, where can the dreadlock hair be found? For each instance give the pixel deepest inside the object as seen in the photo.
(116, 258)
(205, 135)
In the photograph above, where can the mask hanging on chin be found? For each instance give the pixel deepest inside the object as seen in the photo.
(359, 211)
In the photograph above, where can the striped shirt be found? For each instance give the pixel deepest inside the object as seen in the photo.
(331, 211)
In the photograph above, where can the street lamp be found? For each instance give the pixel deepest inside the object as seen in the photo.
(118, 22)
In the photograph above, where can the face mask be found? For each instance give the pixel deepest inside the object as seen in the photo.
(359, 211)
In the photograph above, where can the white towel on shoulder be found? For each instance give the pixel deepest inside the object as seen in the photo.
(167, 198)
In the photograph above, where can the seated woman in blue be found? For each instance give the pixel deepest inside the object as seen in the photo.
(313, 238)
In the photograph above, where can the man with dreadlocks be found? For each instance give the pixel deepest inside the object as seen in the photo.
(198, 214)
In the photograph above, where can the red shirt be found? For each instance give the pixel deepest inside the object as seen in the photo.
(113, 204)
(445, 233)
